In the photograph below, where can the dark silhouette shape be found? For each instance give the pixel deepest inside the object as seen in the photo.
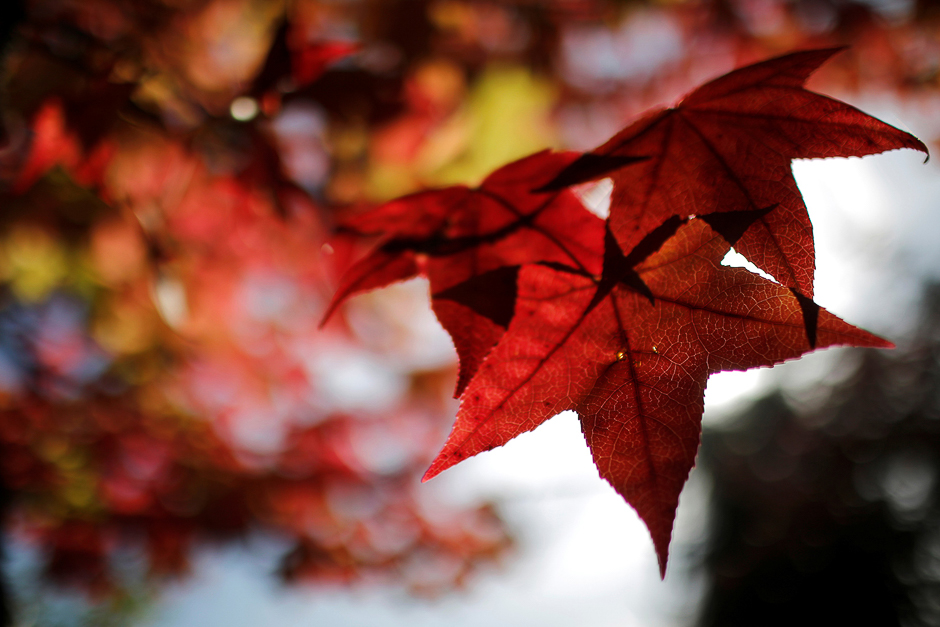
(831, 516)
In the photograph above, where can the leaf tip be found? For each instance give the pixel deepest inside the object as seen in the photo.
(661, 533)
(920, 147)
(442, 462)
(662, 553)
(823, 54)
(876, 341)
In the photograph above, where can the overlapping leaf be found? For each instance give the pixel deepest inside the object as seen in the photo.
(727, 146)
(548, 313)
(631, 351)
(469, 243)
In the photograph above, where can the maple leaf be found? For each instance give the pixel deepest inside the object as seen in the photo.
(631, 351)
(727, 147)
(628, 341)
(470, 242)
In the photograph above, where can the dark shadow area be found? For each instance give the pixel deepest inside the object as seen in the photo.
(832, 515)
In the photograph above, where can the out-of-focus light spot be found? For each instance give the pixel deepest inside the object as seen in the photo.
(763, 17)
(392, 534)
(349, 379)
(351, 501)
(80, 491)
(118, 251)
(170, 298)
(125, 328)
(257, 429)
(380, 58)
(61, 345)
(895, 11)
(596, 57)
(384, 448)
(268, 297)
(907, 482)
(35, 263)
(300, 129)
(244, 108)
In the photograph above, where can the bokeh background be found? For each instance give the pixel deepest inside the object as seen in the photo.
(181, 445)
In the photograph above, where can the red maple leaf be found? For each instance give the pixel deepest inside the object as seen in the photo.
(470, 242)
(631, 351)
(727, 146)
(548, 313)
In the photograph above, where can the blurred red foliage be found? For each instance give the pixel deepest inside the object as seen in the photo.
(170, 176)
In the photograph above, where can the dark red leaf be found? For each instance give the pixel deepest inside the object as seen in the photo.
(549, 314)
(634, 370)
(460, 234)
(727, 146)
